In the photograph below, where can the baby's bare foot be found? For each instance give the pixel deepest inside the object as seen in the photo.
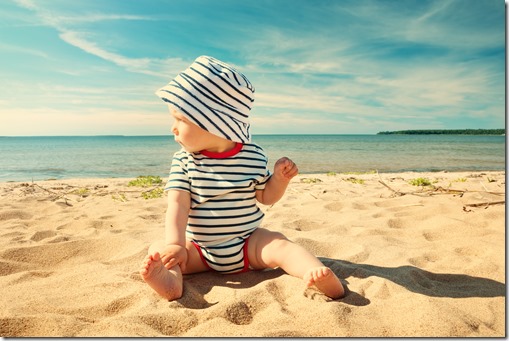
(167, 283)
(326, 281)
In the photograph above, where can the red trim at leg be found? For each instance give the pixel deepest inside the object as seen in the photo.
(201, 255)
(246, 258)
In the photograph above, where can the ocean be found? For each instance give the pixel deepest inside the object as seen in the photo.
(64, 157)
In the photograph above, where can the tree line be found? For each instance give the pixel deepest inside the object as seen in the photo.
(445, 132)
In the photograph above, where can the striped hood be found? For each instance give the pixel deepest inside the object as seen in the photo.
(214, 96)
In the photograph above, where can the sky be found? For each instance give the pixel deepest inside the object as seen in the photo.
(91, 67)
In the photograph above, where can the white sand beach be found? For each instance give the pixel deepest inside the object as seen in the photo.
(417, 261)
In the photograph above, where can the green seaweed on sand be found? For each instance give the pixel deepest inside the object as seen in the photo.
(355, 181)
(310, 180)
(420, 182)
(153, 194)
(145, 181)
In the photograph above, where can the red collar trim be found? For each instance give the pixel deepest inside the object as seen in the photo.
(223, 155)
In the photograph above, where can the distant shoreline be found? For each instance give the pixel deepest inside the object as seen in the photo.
(445, 132)
(396, 132)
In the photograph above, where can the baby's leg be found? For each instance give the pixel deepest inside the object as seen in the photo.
(167, 283)
(269, 249)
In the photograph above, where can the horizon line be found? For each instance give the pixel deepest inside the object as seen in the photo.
(260, 134)
(170, 135)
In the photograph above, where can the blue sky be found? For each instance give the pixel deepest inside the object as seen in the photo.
(91, 67)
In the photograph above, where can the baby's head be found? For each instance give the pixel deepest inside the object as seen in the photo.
(214, 96)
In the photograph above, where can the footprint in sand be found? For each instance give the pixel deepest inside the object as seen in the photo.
(360, 206)
(335, 206)
(100, 224)
(171, 324)
(276, 292)
(432, 236)
(395, 223)
(302, 225)
(119, 305)
(467, 251)
(423, 260)
(239, 313)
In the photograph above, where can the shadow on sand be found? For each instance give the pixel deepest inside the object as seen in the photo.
(421, 281)
(196, 286)
(410, 277)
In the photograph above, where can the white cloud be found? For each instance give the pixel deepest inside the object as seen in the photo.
(160, 68)
(96, 17)
(78, 38)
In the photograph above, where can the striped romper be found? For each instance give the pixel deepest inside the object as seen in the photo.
(223, 211)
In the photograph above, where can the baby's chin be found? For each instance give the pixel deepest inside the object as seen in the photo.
(187, 149)
(181, 145)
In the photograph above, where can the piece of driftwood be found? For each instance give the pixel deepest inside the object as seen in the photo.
(55, 193)
(483, 204)
(399, 193)
(436, 190)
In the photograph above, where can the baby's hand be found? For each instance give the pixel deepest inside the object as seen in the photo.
(174, 255)
(285, 169)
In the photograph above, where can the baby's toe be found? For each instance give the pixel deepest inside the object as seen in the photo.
(325, 272)
(156, 256)
(321, 273)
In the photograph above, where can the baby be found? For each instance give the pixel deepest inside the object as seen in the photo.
(212, 220)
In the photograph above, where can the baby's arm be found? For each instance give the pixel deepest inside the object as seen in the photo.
(177, 213)
(284, 170)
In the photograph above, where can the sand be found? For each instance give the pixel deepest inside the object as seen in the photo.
(417, 261)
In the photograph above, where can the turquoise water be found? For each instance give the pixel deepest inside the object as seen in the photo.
(40, 158)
